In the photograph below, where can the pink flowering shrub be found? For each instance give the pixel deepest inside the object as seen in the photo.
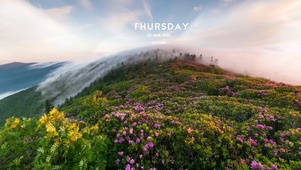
(175, 115)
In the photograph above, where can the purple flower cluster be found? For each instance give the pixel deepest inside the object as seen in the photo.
(157, 126)
(259, 126)
(239, 138)
(253, 142)
(256, 165)
(138, 107)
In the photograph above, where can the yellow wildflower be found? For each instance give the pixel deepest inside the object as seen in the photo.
(7, 122)
(73, 126)
(73, 132)
(51, 129)
(60, 116)
(43, 119)
(95, 127)
(87, 130)
(74, 135)
(53, 112)
(15, 123)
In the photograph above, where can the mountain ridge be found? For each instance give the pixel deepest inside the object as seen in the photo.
(170, 114)
(15, 64)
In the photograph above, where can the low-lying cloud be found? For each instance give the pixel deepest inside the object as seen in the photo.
(259, 37)
(72, 78)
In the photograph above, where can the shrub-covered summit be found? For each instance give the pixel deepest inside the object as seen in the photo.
(175, 114)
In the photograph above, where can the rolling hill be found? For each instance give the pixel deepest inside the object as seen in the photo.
(176, 113)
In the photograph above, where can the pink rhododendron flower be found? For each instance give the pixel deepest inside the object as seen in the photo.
(128, 167)
(254, 165)
(270, 127)
(121, 140)
(107, 116)
(259, 126)
(131, 142)
(253, 143)
(150, 144)
(189, 130)
(282, 135)
(239, 138)
(157, 126)
(274, 167)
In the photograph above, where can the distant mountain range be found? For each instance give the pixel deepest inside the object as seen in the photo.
(17, 76)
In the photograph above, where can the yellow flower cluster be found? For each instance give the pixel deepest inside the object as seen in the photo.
(95, 127)
(95, 100)
(74, 133)
(12, 122)
(62, 130)
(88, 130)
(43, 120)
(51, 130)
(54, 115)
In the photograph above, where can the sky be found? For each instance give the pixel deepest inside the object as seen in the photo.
(265, 33)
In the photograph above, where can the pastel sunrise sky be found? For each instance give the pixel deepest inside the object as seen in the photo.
(264, 32)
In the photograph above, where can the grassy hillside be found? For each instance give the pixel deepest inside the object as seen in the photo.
(172, 115)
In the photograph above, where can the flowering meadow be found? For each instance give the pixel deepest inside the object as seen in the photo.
(176, 114)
